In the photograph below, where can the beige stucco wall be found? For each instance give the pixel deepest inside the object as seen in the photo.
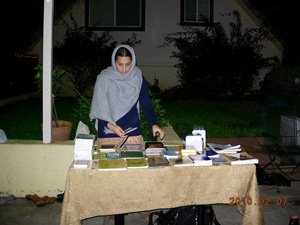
(162, 18)
(31, 167)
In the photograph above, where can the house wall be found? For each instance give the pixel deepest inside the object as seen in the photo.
(162, 18)
(31, 167)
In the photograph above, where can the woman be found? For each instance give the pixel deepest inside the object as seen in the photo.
(118, 92)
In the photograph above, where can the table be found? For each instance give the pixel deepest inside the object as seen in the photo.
(92, 193)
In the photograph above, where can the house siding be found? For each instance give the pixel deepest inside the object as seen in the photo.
(162, 18)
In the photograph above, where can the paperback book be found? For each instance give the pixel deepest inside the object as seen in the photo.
(100, 156)
(107, 148)
(132, 147)
(112, 164)
(239, 158)
(169, 154)
(186, 150)
(173, 148)
(218, 160)
(113, 155)
(154, 144)
(201, 160)
(182, 161)
(224, 148)
(154, 161)
(136, 163)
(132, 154)
(82, 164)
(154, 148)
(211, 153)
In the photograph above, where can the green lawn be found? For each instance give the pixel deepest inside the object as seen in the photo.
(220, 119)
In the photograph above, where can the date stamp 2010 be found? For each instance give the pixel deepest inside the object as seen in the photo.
(261, 201)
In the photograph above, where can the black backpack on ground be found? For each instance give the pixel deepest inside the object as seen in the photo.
(186, 215)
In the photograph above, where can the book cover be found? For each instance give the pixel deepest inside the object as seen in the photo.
(217, 160)
(113, 155)
(185, 161)
(137, 163)
(169, 154)
(239, 158)
(120, 145)
(174, 148)
(132, 147)
(132, 154)
(130, 129)
(211, 153)
(154, 144)
(201, 160)
(107, 148)
(112, 164)
(186, 150)
(86, 136)
(99, 156)
(154, 161)
(224, 148)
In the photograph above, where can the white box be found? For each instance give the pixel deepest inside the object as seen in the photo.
(196, 140)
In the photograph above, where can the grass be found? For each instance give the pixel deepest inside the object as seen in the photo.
(23, 120)
(220, 119)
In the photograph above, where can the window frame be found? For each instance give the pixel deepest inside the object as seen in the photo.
(200, 23)
(114, 28)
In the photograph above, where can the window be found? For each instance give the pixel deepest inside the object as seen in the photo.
(196, 12)
(115, 14)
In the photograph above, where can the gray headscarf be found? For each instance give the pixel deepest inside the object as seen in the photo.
(114, 93)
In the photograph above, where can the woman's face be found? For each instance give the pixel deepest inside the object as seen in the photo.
(123, 64)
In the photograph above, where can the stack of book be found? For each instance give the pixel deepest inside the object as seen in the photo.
(216, 149)
(83, 149)
(201, 160)
(113, 155)
(82, 164)
(135, 163)
(131, 154)
(186, 150)
(154, 148)
(132, 147)
(169, 154)
(107, 148)
(224, 148)
(239, 158)
(100, 156)
(114, 164)
(182, 161)
(173, 148)
(157, 160)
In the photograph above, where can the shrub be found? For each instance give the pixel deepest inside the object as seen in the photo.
(83, 54)
(82, 110)
(213, 65)
(282, 83)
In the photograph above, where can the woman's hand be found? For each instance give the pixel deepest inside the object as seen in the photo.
(116, 129)
(156, 129)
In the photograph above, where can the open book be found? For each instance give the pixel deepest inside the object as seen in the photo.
(239, 158)
(224, 148)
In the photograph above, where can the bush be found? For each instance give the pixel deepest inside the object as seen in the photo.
(82, 111)
(212, 65)
(282, 83)
(84, 54)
